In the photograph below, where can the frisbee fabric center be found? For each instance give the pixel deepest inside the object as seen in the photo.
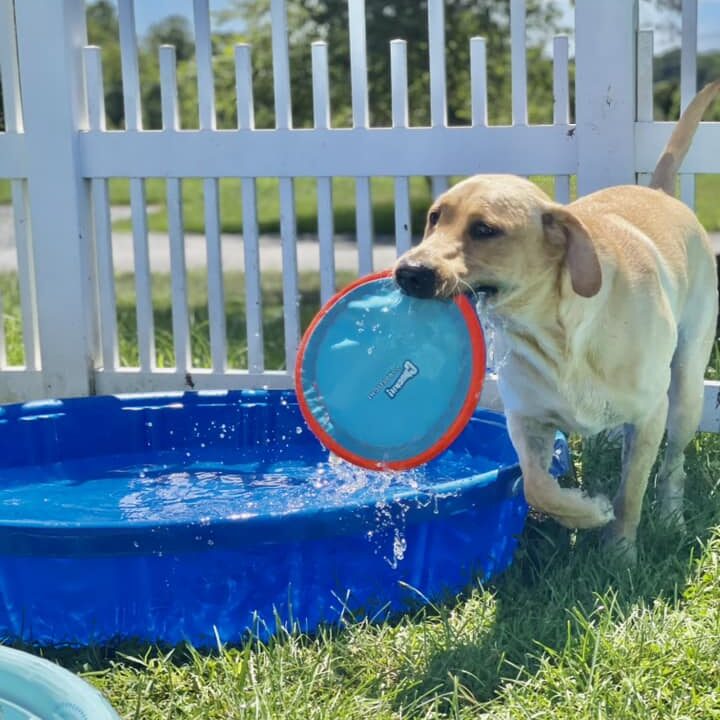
(385, 375)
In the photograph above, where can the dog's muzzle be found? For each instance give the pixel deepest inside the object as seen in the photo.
(417, 281)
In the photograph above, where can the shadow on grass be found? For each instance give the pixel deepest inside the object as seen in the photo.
(560, 577)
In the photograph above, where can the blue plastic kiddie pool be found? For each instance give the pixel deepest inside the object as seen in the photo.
(163, 517)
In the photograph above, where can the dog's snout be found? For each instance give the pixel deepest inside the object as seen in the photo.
(418, 281)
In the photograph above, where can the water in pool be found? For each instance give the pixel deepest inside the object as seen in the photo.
(184, 485)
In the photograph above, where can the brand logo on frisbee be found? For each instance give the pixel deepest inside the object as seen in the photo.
(409, 371)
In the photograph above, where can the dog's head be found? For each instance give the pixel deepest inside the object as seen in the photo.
(502, 235)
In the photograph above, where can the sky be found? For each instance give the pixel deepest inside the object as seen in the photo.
(148, 12)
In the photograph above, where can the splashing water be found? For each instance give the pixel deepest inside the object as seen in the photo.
(493, 327)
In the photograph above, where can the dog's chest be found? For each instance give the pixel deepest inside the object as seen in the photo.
(575, 399)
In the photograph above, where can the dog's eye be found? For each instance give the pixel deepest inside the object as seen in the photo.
(482, 231)
(433, 218)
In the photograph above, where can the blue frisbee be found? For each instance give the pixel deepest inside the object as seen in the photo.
(385, 380)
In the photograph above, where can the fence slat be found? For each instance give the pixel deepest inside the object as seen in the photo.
(291, 299)
(321, 119)
(326, 238)
(518, 43)
(364, 224)
(478, 81)
(26, 273)
(143, 291)
(178, 275)
(92, 56)
(561, 105)
(645, 100)
(9, 71)
(250, 232)
(176, 232)
(358, 63)
(645, 76)
(400, 118)
(243, 86)
(106, 274)
(168, 88)
(101, 217)
(203, 56)
(253, 291)
(213, 241)
(320, 85)
(436, 46)
(216, 285)
(281, 64)
(129, 65)
(688, 81)
(440, 184)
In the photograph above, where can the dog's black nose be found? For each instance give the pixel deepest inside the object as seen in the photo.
(418, 281)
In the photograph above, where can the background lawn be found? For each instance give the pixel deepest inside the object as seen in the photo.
(707, 194)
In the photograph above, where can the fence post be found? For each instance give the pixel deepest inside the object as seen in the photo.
(50, 38)
(605, 62)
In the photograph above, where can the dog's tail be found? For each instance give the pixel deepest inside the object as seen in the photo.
(665, 171)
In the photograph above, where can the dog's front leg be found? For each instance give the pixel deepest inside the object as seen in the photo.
(640, 448)
(534, 442)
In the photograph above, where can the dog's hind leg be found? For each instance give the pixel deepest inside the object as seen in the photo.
(686, 401)
(697, 331)
(640, 447)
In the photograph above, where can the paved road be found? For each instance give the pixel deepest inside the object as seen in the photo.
(346, 257)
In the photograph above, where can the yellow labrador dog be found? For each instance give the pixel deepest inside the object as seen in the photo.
(606, 311)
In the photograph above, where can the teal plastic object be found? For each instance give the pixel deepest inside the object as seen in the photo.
(386, 380)
(34, 689)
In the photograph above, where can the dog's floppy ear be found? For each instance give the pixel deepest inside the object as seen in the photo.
(563, 228)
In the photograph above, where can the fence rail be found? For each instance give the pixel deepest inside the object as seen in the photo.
(60, 173)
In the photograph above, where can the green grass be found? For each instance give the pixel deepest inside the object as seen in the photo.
(707, 194)
(564, 634)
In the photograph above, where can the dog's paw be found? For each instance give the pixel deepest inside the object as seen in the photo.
(587, 511)
(670, 514)
(619, 548)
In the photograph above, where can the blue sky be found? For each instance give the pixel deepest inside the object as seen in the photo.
(148, 12)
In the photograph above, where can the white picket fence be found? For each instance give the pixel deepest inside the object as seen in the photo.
(59, 156)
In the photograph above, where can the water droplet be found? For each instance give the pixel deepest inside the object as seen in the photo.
(399, 545)
(136, 544)
(370, 350)
(298, 430)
